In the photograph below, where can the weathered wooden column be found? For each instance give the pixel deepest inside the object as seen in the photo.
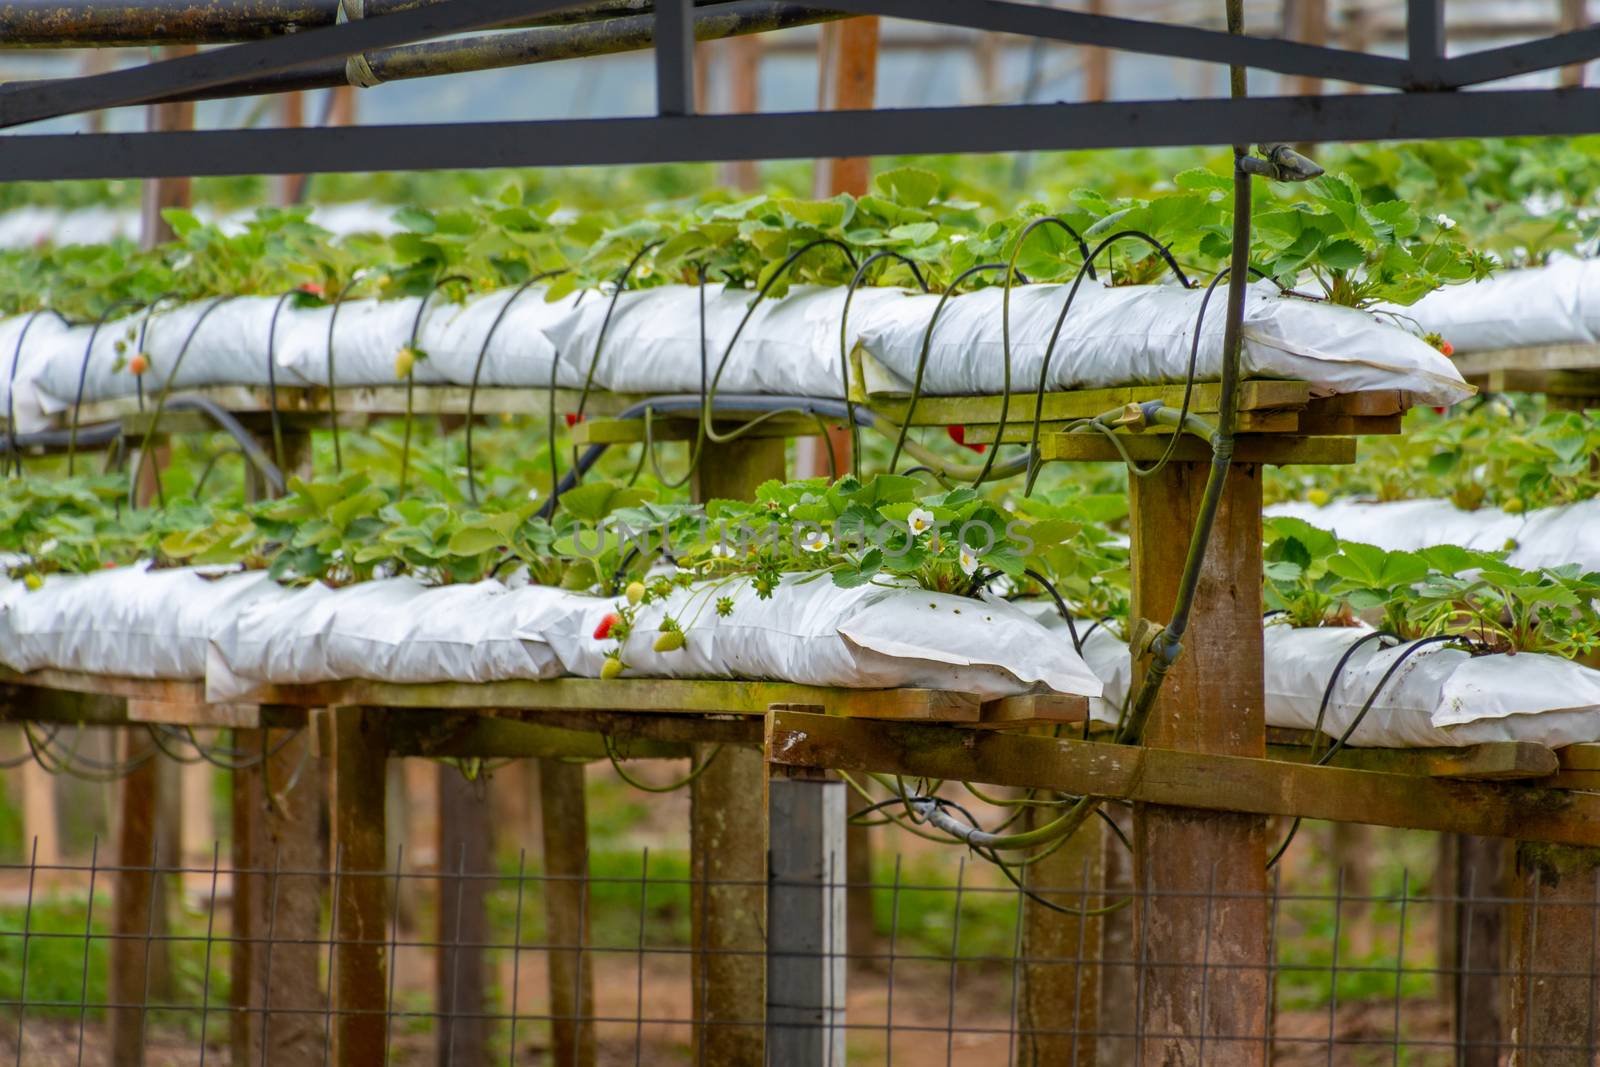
(728, 836)
(1475, 878)
(138, 897)
(1058, 992)
(806, 971)
(1554, 1014)
(564, 815)
(278, 804)
(1200, 877)
(461, 977)
(361, 917)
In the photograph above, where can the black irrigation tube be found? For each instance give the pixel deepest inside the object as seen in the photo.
(12, 452)
(411, 371)
(83, 375)
(161, 399)
(272, 381)
(844, 345)
(477, 369)
(1349, 731)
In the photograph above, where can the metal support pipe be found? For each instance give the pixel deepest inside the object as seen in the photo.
(138, 23)
(514, 48)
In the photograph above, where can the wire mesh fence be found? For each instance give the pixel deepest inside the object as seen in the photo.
(477, 966)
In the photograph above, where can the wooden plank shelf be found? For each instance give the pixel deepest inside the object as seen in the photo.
(1209, 781)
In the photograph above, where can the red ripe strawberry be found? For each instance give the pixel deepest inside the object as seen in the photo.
(313, 288)
(1447, 348)
(573, 418)
(603, 631)
(958, 434)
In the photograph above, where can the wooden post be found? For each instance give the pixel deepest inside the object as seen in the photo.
(288, 186)
(849, 81)
(1555, 994)
(198, 830)
(1058, 998)
(1474, 872)
(462, 919)
(727, 835)
(279, 1009)
(1574, 16)
(138, 897)
(743, 57)
(805, 926)
(1119, 951)
(564, 816)
(361, 888)
(1096, 65)
(39, 811)
(162, 193)
(1201, 876)
(1306, 21)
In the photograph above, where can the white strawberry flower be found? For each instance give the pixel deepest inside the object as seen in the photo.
(920, 521)
(969, 562)
(1444, 222)
(813, 541)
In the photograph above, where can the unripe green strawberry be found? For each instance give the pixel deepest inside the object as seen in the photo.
(669, 641)
(611, 668)
(635, 592)
(33, 582)
(404, 361)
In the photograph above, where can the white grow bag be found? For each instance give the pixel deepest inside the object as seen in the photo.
(130, 621)
(815, 633)
(393, 630)
(1439, 697)
(1558, 304)
(1141, 335)
(790, 346)
(229, 347)
(1547, 537)
(19, 386)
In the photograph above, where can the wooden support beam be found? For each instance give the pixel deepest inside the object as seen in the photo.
(805, 955)
(278, 811)
(564, 816)
(682, 426)
(727, 840)
(850, 83)
(360, 900)
(461, 735)
(1212, 703)
(659, 696)
(138, 899)
(1554, 933)
(1274, 449)
(1185, 779)
(1058, 995)
(461, 921)
(1254, 396)
(1492, 761)
(159, 194)
(1474, 878)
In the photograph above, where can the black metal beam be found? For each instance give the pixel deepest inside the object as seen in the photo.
(1425, 38)
(514, 48)
(259, 59)
(1033, 127)
(674, 39)
(1547, 53)
(1149, 38)
(136, 23)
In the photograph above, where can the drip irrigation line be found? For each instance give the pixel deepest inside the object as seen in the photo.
(922, 365)
(695, 771)
(411, 371)
(83, 375)
(1061, 607)
(1327, 694)
(13, 454)
(844, 344)
(477, 370)
(161, 401)
(272, 381)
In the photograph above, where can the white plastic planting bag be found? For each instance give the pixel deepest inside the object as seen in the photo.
(1407, 525)
(130, 621)
(393, 630)
(1141, 335)
(815, 633)
(25, 350)
(1438, 696)
(1104, 651)
(789, 347)
(229, 347)
(1558, 304)
(368, 335)
(1553, 537)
